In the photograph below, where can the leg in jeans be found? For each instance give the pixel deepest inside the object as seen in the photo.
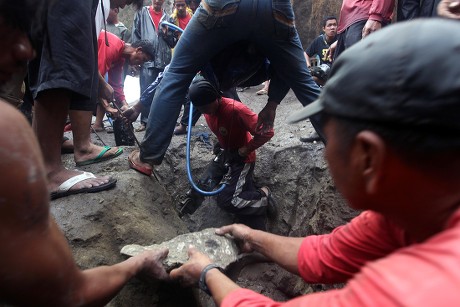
(189, 57)
(146, 77)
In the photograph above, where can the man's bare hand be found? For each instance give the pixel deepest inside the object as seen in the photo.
(266, 117)
(449, 9)
(132, 113)
(152, 263)
(189, 273)
(371, 26)
(330, 52)
(108, 108)
(240, 234)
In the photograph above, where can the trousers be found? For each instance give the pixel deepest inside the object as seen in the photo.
(215, 25)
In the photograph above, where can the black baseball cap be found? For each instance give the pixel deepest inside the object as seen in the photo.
(202, 92)
(406, 75)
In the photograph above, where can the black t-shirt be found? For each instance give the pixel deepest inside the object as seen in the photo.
(319, 47)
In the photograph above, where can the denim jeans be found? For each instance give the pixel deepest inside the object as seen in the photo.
(215, 25)
(146, 77)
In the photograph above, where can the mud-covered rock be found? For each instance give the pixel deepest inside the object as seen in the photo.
(221, 249)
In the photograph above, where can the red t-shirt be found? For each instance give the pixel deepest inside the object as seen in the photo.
(356, 10)
(235, 125)
(381, 265)
(183, 22)
(156, 16)
(110, 60)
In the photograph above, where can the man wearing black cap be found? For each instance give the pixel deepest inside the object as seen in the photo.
(393, 130)
(234, 124)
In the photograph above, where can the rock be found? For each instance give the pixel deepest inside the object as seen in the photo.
(220, 249)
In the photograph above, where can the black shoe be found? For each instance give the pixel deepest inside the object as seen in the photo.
(313, 138)
(187, 206)
(272, 204)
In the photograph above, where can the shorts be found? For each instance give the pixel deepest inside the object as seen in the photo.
(67, 57)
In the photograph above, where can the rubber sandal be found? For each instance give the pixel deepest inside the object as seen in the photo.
(139, 168)
(64, 189)
(101, 157)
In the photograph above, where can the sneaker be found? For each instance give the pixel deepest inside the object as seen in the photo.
(272, 205)
(187, 206)
(313, 138)
(181, 129)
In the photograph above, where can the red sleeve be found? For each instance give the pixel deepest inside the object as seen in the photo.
(116, 80)
(248, 120)
(381, 9)
(421, 274)
(248, 298)
(336, 257)
(102, 55)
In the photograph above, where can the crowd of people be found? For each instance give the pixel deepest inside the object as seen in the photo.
(391, 121)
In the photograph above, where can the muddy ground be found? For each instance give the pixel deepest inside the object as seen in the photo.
(141, 209)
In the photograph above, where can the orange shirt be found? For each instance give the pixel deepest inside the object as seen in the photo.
(381, 266)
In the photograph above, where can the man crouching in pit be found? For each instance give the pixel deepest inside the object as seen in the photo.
(234, 124)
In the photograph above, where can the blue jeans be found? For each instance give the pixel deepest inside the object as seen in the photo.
(269, 24)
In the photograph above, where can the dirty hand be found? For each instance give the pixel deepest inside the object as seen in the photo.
(449, 9)
(108, 109)
(371, 26)
(189, 273)
(152, 263)
(330, 52)
(266, 117)
(132, 113)
(240, 234)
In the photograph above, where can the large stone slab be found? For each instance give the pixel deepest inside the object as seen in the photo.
(220, 249)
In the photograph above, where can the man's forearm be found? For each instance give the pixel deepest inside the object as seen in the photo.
(282, 250)
(101, 284)
(219, 285)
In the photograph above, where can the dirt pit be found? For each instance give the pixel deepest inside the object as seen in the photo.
(140, 210)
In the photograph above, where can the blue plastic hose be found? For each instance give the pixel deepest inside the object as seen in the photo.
(189, 169)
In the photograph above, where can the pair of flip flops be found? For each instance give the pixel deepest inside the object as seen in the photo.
(64, 189)
(101, 157)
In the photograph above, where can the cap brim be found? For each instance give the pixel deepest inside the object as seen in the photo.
(312, 109)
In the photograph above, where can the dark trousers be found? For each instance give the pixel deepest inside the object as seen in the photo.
(146, 77)
(240, 195)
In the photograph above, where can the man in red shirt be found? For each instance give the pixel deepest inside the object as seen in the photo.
(111, 59)
(393, 131)
(359, 19)
(181, 14)
(234, 124)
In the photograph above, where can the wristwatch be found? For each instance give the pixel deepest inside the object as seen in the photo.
(202, 282)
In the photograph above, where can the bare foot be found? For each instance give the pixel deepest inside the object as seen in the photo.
(56, 178)
(97, 127)
(67, 146)
(93, 151)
